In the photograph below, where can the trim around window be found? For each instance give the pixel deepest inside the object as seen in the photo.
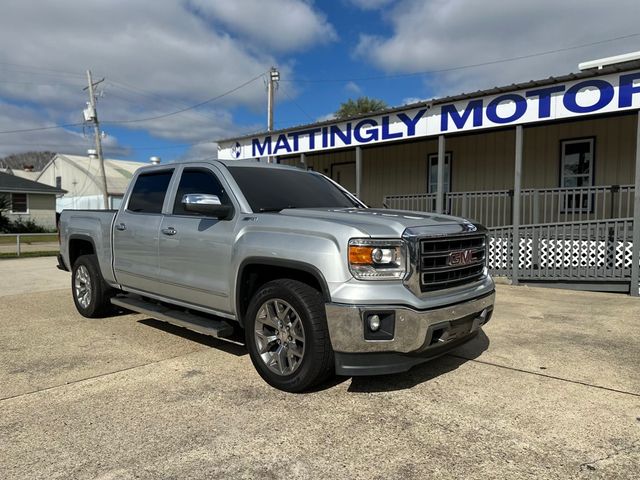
(25, 202)
(578, 202)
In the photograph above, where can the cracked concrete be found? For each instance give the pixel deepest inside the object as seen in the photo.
(550, 390)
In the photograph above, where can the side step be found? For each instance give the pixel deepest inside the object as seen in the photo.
(196, 323)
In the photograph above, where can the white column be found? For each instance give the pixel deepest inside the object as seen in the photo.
(358, 171)
(635, 257)
(440, 186)
(517, 186)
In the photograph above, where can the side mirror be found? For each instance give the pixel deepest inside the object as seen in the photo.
(206, 204)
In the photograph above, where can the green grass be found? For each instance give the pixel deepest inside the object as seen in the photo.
(28, 239)
(28, 254)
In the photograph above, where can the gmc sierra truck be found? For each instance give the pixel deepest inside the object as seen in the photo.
(315, 281)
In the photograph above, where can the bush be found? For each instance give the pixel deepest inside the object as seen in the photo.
(20, 226)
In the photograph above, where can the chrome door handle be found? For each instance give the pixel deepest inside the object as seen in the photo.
(169, 231)
(121, 227)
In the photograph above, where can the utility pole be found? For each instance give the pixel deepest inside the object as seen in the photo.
(91, 115)
(272, 84)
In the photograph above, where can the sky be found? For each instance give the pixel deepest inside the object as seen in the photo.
(162, 57)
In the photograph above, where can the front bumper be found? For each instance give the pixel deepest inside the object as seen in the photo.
(417, 336)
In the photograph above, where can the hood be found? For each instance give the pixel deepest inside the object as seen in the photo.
(382, 222)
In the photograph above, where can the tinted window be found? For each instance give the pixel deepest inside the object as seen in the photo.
(197, 181)
(272, 189)
(149, 191)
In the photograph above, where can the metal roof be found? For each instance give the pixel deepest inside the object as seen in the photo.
(454, 98)
(12, 184)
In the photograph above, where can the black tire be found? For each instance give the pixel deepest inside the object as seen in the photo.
(317, 362)
(96, 303)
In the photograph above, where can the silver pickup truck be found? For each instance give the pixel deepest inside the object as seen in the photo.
(319, 283)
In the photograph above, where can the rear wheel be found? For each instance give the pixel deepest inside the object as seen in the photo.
(90, 292)
(287, 337)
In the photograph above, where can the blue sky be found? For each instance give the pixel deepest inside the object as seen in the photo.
(159, 57)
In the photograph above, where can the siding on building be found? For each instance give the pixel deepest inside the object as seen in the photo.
(42, 210)
(485, 160)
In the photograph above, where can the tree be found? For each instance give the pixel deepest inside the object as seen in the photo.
(359, 106)
(5, 205)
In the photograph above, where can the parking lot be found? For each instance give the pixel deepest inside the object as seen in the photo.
(551, 389)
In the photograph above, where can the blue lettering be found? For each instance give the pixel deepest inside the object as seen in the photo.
(282, 144)
(627, 89)
(519, 102)
(544, 99)
(372, 133)
(344, 136)
(325, 133)
(386, 135)
(259, 150)
(312, 136)
(295, 136)
(474, 106)
(411, 122)
(605, 90)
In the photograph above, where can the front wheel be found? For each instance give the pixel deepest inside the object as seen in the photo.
(287, 337)
(91, 294)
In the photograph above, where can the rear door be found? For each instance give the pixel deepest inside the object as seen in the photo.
(194, 249)
(136, 229)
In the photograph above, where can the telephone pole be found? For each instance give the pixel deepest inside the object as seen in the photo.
(272, 84)
(91, 115)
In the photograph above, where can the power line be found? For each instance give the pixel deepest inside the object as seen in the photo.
(462, 67)
(137, 120)
(192, 107)
(297, 105)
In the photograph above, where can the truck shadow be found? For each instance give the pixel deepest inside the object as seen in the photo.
(423, 372)
(232, 348)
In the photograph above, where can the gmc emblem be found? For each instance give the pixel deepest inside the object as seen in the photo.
(460, 257)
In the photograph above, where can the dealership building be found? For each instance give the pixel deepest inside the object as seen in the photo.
(551, 167)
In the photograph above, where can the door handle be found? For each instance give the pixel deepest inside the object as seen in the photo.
(121, 227)
(169, 231)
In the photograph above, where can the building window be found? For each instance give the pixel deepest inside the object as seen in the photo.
(19, 203)
(58, 182)
(433, 172)
(576, 171)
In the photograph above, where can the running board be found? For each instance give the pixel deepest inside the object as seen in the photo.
(196, 323)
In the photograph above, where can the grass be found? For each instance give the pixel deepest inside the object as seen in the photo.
(29, 254)
(28, 239)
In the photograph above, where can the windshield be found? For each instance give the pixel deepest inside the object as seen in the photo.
(274, 189)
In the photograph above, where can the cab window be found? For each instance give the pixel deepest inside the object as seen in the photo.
(197, 180)
(149, 192)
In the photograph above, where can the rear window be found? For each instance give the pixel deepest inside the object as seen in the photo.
(274, 189)
(149, 192)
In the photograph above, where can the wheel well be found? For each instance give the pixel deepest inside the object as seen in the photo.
(254, 276)
(78, 247)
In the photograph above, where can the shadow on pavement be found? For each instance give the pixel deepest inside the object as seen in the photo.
(232, 348)
(423, 372)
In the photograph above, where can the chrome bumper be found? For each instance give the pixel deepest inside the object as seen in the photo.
(414, 330)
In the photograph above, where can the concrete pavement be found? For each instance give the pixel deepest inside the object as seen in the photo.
(551, 390)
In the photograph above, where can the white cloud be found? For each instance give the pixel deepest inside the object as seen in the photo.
(370, 4)
(157, 57)
(353, 87)
(439, 34)
(324, 118)
(284, 25)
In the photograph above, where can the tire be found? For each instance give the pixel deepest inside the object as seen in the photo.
(91, 294)
(296, 355)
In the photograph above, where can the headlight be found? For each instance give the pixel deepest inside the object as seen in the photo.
(377, 259)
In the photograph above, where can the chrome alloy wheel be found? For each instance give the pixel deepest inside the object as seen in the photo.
(82, 285)
(279, 336)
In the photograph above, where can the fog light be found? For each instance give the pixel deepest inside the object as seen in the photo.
(374, 323)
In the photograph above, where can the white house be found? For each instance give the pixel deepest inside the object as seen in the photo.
(80, 177)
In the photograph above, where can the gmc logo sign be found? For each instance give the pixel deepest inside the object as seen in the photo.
(459, 258)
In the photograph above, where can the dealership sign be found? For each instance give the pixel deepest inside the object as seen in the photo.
(604, 94)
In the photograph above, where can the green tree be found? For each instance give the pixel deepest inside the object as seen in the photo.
(359, 106)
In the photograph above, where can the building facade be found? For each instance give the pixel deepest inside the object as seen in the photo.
(550, 167)
(80, 177)
(29, 200)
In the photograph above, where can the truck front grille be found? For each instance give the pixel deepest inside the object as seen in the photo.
(451, 261)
